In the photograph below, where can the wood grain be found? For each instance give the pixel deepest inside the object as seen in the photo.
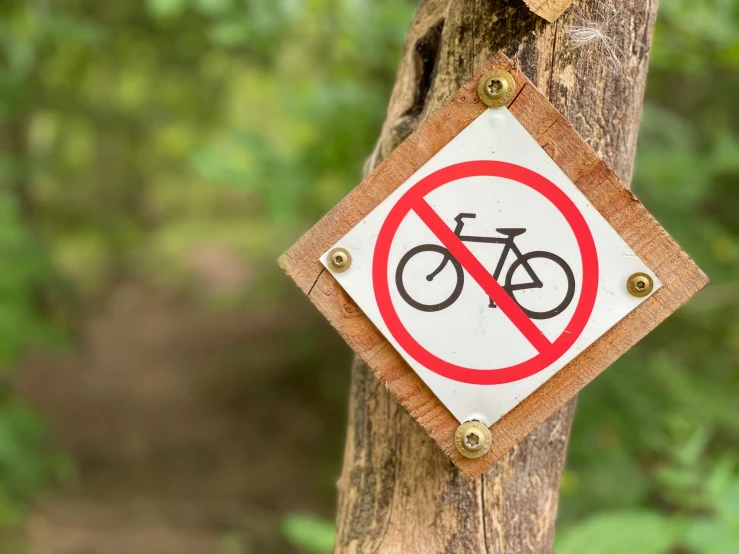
(548, 9)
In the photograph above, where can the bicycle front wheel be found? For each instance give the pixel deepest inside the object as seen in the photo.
(541, 312)
(430, 305)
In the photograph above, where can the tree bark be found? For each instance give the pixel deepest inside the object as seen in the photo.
(398, 492)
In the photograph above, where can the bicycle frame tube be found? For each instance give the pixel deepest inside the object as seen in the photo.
(510, 245)
(535, 281)
(458, 231)
(491, 240)
(508, 242)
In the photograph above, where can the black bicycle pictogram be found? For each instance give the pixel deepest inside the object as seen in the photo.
(522, 260)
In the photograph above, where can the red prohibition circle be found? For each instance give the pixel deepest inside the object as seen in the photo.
(550, 191)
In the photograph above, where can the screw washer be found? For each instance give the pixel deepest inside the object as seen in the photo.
(339, 260)
(640, 285)
(472, 439)
(496, 88)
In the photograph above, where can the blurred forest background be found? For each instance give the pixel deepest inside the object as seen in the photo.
(165, 389)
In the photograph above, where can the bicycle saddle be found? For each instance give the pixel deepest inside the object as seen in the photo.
(511, 232)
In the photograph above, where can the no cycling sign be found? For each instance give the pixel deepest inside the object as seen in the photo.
(488, 270)
(509, 298)
(490, 267)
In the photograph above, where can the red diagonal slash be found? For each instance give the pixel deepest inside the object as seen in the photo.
(481, 275)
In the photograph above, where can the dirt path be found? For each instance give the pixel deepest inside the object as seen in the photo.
(192, 431)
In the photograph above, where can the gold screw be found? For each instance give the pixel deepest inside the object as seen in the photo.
(640, 284)
(496, 88)
(472, 439)
(339, 260)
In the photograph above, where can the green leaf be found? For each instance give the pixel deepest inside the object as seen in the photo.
(619, 533)
(309, 533)
(213, 7)
(706, 536)
(230, 34)
(166, 8)
(727, 502)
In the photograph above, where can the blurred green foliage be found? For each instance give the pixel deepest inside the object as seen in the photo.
(132, 132)
(311, 534)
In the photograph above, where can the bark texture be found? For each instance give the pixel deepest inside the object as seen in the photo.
(398, 492)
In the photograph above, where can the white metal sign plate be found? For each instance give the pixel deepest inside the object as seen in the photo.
(488, 270)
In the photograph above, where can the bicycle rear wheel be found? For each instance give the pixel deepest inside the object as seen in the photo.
(454, 294)
(569, 290)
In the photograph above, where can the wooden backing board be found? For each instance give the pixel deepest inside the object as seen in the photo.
(548, 9)
(681, 278)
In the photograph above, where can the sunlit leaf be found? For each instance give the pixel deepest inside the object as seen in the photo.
(214, 7)
(311, 534)
(620, 532)
(166, 8)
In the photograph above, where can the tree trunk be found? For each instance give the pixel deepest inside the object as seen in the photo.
(398, 492)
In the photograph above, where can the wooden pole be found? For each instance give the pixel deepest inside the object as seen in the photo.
(398, 493)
